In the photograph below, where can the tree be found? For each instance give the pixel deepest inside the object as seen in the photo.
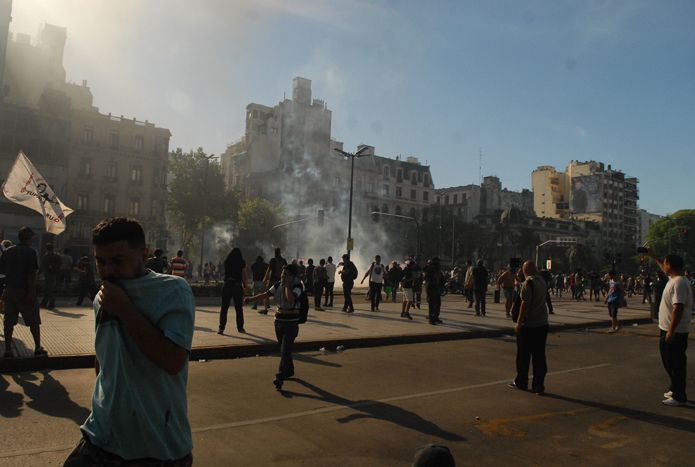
(674, 234)
(197, 196)
(256, 218)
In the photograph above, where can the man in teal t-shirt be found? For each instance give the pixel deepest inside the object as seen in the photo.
(144, 332)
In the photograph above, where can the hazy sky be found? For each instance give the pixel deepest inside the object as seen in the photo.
(529, 82)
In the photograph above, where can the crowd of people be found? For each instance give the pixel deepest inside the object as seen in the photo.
(145, 324)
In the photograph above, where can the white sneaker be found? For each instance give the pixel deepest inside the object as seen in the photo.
(668, 395)
(671, 402)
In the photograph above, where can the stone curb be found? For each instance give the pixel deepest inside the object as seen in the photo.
(65, 362)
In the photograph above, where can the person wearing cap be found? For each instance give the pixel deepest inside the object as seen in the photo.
(20, 265)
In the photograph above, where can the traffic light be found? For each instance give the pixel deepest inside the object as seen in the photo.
(320, 217)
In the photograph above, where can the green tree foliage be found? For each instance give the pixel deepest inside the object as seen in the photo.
(256, 218)
(197, 197)
(675, 231)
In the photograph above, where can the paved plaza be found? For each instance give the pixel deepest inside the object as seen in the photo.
(69, 331)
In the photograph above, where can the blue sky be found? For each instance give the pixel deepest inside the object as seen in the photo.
(529, 82)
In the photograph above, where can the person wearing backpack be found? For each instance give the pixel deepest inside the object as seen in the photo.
(531, 331)
(50, 267)
(348, 275)
(320, 282)
(376, 282)
(292, 309)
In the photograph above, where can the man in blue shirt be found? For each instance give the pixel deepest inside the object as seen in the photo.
(144, 332)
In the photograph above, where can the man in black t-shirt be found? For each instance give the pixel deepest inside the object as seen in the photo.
(348, 275)
(273, 274)
(20, 265)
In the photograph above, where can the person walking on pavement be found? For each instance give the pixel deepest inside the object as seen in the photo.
(258, 269)
(144, 331)
(505, 282)
(481, 279)
(330, 284)
(85, 280)
(50, 268)
(348, 275)
(287, 292)
(272, 274)
(434, 280)
(531, 331)
(320, 279)
(395, 275)
(235, 282)
(376, 282)
(468, 283)
(613, 299)
(19, 264)
(407, 279)
(675, 312)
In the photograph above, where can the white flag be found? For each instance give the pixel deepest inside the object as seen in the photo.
(24, 185)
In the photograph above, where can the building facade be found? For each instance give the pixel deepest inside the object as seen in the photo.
(100, 165)
(646, 220)
(590, 191)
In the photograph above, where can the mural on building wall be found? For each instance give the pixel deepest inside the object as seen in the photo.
(587, 195)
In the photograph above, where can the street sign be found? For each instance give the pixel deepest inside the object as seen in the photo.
(350, 244)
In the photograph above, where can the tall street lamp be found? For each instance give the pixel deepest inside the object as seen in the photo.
(352, 156)
(417, 228)
(205, 184)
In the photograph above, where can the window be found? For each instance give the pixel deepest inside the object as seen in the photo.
(273, 130)
(426, 196)
(446, 199)
(399, 192)
(155, 178)
(386, 190)
(456, 199)
(426, 180)
(109, 204)
(82, 201)
(139, 142)
(86, 168)
(413, 194)
(398, 210)
(399, 175)
(112, 170)
(134, 207)
(88, 134)
(385, 208)
(113, 140)
(386, 171)
(336, 181)
(157, 208)
(370, 187)
(413, 178)
(136, 174)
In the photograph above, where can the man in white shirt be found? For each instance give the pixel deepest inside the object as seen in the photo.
(330, 270)
(376, 282)
(674, 325)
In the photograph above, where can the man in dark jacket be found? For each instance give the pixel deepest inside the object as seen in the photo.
(481, 279)
(348, 275)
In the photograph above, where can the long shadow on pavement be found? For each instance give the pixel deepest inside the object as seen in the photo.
(648, 417)
(50, 397)
(377, 410)
(63, 314)
(302, 357)
(332, 325)
(10, 402)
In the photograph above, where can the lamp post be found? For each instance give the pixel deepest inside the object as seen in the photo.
(202, 234)
(417, 227)
(352, 156)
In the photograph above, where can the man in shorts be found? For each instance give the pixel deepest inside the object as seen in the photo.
(505, 282)
(144, 331)
(407, 280)
(20, 265)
